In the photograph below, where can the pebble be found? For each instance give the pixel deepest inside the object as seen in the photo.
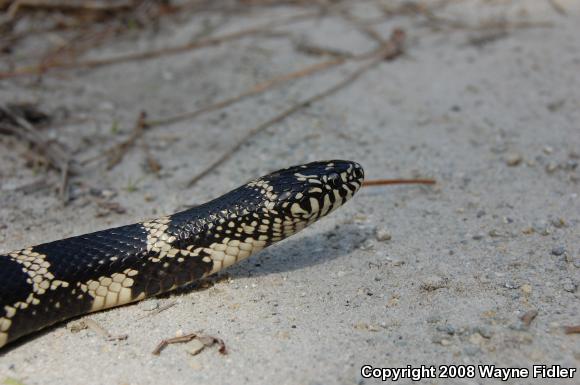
(382, 235)
(558, 250)
(551, 167)
(433, 282)
(449, 329)
(518, 326)
(526, 288)
(528, 230)
(513, 159)
(367, 245)
(149, 305)
(569, 285)
(367, 327)
(478, 237)
(558, 223)
(512, 285)
(496, 233)
(441, 341)
(476, 339)
(541, 227)
(485, 331)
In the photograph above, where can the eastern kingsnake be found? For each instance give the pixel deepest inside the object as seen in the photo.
(44, 284)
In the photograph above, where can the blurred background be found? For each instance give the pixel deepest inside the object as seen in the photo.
(116, 111)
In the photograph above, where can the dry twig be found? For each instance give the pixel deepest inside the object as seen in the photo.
(257, 89)
(117, 152)
(97, 328)
(572, 329)
(202, 43)
(390, 50)
(19, 121)
(383, 182)
(206, 340)
(558, 7)
(528, 317)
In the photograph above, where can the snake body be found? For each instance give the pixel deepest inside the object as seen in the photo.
(48, 283)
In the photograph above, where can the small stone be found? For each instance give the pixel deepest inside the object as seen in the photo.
(528, 230)
(476, 339)
(449, 329)
(441, 341)
(367, 245)
(359, 218)
(382, 235)
(518, 326)
(283, 335)
(361, 326)
(480, 213)
(558, 250)
(194, 346)
(485, 331)
(558, 223)
(569, 285)
(551, 167)
(434, 282)
(373, 328)
(149, 305)
(571, 165)
(512, 285)
(548, 150)
(526, 288)
(541, 227)
(513, 159)
(393, 301)
(478, 237)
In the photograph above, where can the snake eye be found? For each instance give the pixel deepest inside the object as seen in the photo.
(333, 178)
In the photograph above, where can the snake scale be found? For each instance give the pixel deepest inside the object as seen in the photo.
(48, 283)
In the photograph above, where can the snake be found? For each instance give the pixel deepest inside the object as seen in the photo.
(46, 284)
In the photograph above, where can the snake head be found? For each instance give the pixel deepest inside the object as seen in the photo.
(305, 193)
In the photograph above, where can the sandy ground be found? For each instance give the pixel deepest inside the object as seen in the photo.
(491, 113)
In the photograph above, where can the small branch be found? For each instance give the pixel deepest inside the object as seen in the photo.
(257, 89)
(40, 69)
(390, 50)
(206, 340)
(50, 5)
(383, 182)
(117, 152)
(572, 329)
(558, 7)
(94, 326)
(13, 121)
